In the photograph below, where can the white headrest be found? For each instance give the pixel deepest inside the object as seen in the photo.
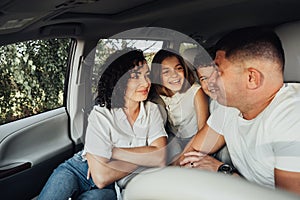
(290, 37)
(190, 54)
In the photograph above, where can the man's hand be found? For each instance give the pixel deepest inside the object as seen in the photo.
(206, 140)
(195, 159)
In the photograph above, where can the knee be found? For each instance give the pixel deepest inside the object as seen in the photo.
(100, 194)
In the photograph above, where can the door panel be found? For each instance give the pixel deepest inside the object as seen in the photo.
(30, 149)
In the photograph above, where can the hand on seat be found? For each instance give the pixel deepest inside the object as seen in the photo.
(195, 159)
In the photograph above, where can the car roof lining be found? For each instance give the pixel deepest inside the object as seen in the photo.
(213, 17)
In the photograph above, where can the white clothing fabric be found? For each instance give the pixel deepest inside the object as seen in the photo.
(213, 105)
(271, 140)
(110, 128)
(182, 116)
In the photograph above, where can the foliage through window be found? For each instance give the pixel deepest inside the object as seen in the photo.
(32, 77)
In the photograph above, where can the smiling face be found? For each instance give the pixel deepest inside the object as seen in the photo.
(138, 84)
(172, 74)
(227, 83)
(204, 73)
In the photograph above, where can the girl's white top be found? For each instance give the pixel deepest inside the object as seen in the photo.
(182, 115)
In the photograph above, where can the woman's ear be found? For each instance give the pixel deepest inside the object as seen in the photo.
(255, 78)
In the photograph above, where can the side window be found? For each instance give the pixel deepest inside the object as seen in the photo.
(184, 46)
(105, 47)
(32, 77)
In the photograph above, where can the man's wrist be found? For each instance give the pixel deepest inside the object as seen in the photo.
(226, 169)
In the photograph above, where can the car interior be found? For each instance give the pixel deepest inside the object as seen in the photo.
(80, 34)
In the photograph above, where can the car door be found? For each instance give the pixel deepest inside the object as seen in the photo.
(34, 126)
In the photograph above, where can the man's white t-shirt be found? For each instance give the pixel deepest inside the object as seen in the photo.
(110, 128)
(271, 140)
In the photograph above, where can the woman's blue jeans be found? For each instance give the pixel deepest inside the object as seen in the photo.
(69, 180)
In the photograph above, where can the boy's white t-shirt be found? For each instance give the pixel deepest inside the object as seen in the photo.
(269, 141)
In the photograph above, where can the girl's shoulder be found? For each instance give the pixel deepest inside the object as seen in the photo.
(196, 86)
(193, 89)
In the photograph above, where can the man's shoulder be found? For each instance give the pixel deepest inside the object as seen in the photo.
(219, 108)
(292, 88)
(285, 107)
(221, 117)
(288, 95)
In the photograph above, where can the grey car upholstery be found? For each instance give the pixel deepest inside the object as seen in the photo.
(290, 37)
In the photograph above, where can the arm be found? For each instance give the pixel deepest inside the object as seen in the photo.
(286, 148)
(152, 155)
(206, 141)
(287, 180)
(201, 107)
(196, 159)
(105, 172)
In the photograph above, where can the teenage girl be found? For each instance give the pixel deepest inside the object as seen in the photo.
(185, 102)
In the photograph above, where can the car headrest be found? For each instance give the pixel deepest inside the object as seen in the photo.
(190, 54)
(290, 37)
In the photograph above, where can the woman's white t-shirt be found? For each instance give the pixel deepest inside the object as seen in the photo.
(110, 128)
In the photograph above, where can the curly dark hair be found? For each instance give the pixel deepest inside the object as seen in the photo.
(113, 81)
(156, 71)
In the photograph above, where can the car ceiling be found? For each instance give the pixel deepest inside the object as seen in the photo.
(204, 20)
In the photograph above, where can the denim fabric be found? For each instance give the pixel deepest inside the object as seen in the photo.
(69, 180)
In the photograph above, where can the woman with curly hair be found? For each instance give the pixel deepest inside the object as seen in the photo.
(124, 131)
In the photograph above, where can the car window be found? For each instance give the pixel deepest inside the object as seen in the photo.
(185, 45)
(32, 77)
(105, 47)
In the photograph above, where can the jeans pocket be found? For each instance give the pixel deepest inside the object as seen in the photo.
(78, 156)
